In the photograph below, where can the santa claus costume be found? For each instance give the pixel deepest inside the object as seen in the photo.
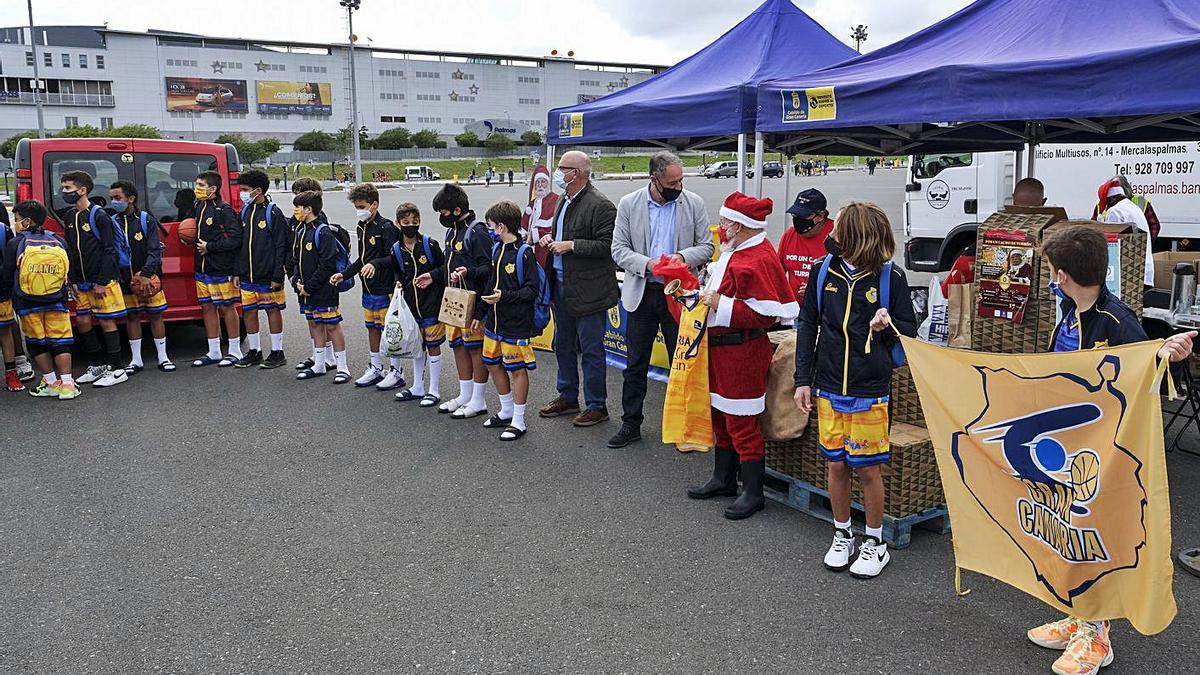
(752, 294)
(538, 218)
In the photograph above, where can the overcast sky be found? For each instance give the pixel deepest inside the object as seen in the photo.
(659, 32)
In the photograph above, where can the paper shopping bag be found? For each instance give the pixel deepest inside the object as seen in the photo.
(960, 312)
(458, 307)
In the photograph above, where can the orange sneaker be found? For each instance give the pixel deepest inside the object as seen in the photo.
(1054, 635)
(1088, 652)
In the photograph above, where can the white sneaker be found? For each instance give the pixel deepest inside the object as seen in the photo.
(390, 381)
(872, 558)
(92, 374)
(369, 377)
(841, 551)
(111, 377)
(24, 369)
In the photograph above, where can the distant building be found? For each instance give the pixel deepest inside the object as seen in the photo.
(194, 86)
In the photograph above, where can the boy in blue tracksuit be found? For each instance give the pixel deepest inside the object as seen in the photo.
(265, 234)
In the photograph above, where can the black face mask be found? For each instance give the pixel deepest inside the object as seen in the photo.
(802, 225)
(668, 194)
(449, 221)
(70, 197)
(832, 247)
(412, 232)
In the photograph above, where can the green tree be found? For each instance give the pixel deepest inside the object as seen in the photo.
(248, 151)
(531, 137)
(9, 148)
(425, 138)
(315, 140)
(270, 145)
(134, 131)
(500, 142)
(85, 131)
(467, 139)
(393, 139)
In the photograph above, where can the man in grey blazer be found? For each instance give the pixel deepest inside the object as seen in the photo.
(659, 219)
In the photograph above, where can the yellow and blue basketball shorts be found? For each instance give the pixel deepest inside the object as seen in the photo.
(375, 309)
(110, 305)
(153, 306)
(216, 290)
(513, 354)
(7, 316)
(329, 316)
(260, 296)
(853, 430)
(48, 326)
(460, 337)
(433, 333)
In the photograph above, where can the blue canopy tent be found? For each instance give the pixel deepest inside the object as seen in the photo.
(1002, 74)
(709, 100)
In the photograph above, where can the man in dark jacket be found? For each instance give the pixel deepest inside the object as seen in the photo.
(584, 282)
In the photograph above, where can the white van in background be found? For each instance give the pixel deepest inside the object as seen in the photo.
(949, 195)
(416, 173)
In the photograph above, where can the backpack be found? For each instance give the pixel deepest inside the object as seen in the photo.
(343, 259)
(398, 252)
(885, 300)
(541, 303)
(120, 242)
(246, 209)
(42, 265)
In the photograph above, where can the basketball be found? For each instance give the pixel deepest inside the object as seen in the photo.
(187, 231)
(1085, 475)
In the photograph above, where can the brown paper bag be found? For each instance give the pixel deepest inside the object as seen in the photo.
(960, 311)
(458, 307)
(781, 421)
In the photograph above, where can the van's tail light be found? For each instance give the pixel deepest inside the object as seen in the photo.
(235, 192)
(24, 190)
(24, 174)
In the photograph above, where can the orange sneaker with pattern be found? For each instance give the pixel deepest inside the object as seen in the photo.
(1088, 652)
(1054, 635)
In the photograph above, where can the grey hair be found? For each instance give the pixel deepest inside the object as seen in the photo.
(659, 162)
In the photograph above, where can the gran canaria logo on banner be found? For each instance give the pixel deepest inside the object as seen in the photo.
(570, 125)
(1054, 474)
(809, 105)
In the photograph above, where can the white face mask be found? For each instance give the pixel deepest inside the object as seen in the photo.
(362, 214)
(245, 196)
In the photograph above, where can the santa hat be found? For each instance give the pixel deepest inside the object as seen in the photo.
(1110, 189)
(749, 211)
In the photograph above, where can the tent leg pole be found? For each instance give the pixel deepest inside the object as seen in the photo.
(1029, 173)
(741, 163)
(550, 158)
(787, 190)
(759, 149)
(1019, 166)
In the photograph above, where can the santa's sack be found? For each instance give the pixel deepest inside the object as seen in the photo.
(781, 420)
(936, 327)
(401, 333)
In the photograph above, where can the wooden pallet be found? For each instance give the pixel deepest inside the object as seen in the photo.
(814, 501)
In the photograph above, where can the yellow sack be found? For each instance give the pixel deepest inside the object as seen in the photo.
(687, 416)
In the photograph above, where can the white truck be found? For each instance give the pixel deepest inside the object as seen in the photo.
(949, 195)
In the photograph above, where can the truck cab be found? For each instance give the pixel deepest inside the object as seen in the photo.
(164, 172)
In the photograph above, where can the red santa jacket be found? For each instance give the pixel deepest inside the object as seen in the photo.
(754, 295)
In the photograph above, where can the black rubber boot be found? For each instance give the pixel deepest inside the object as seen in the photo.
(724, 479)
(751, 500)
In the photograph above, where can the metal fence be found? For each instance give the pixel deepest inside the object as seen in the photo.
(420, 154)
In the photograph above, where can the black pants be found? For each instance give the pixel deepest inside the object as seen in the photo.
(644, 323)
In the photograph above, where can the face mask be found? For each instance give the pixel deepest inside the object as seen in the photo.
(803, 225)
(118, 206)
(724, 235)
(448, 220)
(493, 235)
(201, 193)
(299, 214)
(362, 214)
(71, 196)
(669, 194)
(245, 197)
(21, 226)
(410, 231)
(832, 247)
(560, 179)
(1056, 289)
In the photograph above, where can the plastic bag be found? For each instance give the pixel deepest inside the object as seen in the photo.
(401, 334)
(936, 327)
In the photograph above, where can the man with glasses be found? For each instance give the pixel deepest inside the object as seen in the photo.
(661, 219)
(584, 283)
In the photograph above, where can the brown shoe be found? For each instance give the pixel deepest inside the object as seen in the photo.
(559, 407)
(591, 418)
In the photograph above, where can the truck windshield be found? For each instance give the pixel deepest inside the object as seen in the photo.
(928, 166)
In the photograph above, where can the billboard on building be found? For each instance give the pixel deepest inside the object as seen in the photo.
(201, 94)
(306, 98)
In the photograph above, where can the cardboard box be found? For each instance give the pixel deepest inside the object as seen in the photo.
(1164, 266)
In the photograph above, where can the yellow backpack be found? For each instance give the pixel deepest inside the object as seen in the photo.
(42, 265)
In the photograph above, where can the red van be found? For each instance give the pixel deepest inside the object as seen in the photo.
(164, 172)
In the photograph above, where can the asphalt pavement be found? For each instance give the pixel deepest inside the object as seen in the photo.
(215, 520)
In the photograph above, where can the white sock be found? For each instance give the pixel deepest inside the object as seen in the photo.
(506, 405)
(465, 387)
(254, 341)
(318, 359)
(397, 363)
(876, 532)
(435, 375)
(418, 373)
(479, 395)
(340, 358)
(50, 379)
(330, 357)
(161, 345)
(377, 360)
(518, 416)
(135, 346)
(843, 526)
(214, 348)
(276, 342)
(235, 348)
(68, 378)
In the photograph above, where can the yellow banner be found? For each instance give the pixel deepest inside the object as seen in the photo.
(687, 413)
(1054, 474)
(311, 98)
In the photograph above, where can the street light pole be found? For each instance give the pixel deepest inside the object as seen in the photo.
(859, 35)
(37, 80)
(350, 6)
